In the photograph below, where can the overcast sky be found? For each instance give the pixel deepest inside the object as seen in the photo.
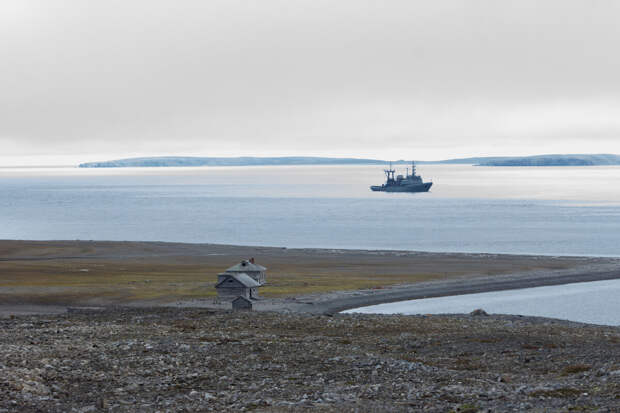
(91, 80)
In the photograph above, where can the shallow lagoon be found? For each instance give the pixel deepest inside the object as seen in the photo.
(595, 302)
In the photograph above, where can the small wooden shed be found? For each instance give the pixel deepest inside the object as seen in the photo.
(241, 303)
(231, 285)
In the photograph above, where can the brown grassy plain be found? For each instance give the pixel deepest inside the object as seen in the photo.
(96, 272)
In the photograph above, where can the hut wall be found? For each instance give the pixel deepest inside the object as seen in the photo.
(233, 292)
(241, 305)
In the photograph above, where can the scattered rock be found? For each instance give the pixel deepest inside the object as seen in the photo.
(126, 360)
(479, 312)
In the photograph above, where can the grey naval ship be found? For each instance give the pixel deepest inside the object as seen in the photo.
(407, 183)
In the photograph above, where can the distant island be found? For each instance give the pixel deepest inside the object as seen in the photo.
(554, 160)
(537, 160)
(160, 161)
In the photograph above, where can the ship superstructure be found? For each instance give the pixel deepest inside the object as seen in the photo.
(399, 183)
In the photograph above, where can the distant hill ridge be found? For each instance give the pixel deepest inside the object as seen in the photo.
(238, 161)
(537, 160)
(554, 160)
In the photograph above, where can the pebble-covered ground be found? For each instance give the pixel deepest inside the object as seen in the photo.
(168, 360)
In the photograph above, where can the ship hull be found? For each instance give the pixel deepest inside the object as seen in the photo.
(402, 188)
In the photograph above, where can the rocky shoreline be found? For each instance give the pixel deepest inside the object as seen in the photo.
(172, 359)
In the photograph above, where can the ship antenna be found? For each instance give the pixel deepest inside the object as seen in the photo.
(389, 173)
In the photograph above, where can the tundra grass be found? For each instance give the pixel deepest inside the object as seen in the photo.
(121, 272)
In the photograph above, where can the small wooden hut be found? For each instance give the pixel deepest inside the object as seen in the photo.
(231, 285)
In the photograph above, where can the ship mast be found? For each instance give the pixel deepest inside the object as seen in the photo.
(389, 173)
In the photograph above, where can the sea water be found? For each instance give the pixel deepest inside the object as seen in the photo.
(591, 302)
(545, 210)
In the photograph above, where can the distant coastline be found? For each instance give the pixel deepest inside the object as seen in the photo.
(554, 160)
(181, 161)
(165, 161)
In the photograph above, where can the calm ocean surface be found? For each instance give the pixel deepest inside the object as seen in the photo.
(592, 302)
(555, 211)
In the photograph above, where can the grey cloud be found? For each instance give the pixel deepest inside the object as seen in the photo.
(314, 77)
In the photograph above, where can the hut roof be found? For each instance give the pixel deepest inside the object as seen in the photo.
(246, 266)
(242, 278)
